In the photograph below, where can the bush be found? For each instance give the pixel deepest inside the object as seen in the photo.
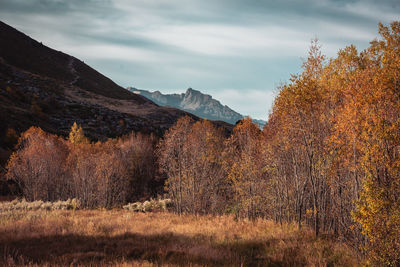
(70, 204)
(149, 205)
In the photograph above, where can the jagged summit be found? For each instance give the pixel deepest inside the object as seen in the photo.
(195, 102)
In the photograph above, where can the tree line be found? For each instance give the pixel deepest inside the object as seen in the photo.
(102, 174)
(329, 156)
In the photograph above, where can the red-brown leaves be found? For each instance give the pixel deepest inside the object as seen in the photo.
(106, 174)
(38, 166)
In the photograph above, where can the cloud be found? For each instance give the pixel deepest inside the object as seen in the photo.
(376, 11)
(227, 40)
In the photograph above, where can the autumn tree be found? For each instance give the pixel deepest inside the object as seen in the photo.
(378, 208)
(243, 162)
(190, 155)
(111, 174)
(81, 165)
(107, 174)
(76, 135)
(344, 76)
(205, 184)
(286, 169)
(173, 160)
(38, 166)
(302, 159)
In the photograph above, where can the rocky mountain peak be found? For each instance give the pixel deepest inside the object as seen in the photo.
(195, 102)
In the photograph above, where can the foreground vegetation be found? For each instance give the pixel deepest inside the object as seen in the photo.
(124, 238)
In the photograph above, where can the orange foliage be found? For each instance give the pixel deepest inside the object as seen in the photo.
(38, 166)
(108, 174)
(189, 154)
(243, 162)
(333, 138)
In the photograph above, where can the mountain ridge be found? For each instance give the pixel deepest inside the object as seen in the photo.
(195, 102)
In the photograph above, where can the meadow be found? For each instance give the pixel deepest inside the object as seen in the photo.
(117, 237)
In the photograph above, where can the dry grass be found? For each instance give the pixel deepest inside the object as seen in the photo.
(17, 204)
(125, 238)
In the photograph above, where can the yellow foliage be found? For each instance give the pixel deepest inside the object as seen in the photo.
(76, 135)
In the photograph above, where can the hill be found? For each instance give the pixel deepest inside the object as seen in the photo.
(40, 86)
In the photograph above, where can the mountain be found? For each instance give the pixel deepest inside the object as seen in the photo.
(40, 86)
(195, 102)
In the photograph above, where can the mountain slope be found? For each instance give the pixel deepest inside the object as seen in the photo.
(195, 102)
(21, 51)
(40, 86)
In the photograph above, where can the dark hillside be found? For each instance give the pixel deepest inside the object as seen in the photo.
(21, 51)
(40, 86)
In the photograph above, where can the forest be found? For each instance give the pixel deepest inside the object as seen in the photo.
(328, 158)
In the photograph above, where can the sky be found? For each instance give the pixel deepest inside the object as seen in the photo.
(238, 51)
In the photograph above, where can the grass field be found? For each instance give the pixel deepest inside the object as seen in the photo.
(125, 238)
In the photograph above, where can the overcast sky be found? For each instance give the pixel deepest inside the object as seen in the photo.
(237, 51)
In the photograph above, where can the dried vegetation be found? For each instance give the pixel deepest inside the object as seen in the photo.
(125, 238)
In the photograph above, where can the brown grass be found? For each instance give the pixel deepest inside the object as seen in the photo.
(124, 238)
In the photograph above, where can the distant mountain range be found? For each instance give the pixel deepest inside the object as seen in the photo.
(195, 102)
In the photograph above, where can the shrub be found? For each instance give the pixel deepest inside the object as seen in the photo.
(70, 204)
(149, 205)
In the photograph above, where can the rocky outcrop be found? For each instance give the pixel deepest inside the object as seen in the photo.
(193, 101)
